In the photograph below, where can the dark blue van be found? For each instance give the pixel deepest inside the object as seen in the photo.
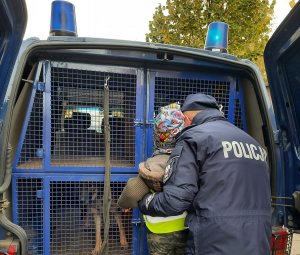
(57, 165)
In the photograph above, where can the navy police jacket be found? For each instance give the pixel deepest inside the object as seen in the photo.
(219, 174)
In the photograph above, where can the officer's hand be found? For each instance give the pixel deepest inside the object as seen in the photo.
(145, 202)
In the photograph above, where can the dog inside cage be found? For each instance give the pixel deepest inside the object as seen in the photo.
(77, 219)
(93, 215)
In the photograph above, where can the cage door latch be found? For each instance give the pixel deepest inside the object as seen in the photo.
(136, 221)
(40, 194)
(138, 123)
(40, 86)
(141, 123)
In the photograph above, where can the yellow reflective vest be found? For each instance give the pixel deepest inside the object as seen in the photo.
(163, 225)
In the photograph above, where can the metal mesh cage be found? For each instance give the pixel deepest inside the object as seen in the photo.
(238, 115)
(30, 212)
(32, 148)
(77, 132)
(75, 138)
(76, 215)
(169, 89)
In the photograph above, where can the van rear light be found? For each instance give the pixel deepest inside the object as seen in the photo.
(281, 242)
(12, 250)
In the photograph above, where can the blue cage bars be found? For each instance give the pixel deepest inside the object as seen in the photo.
(58, 170)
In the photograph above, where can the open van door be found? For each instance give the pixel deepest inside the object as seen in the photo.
(282, 58)
(13, 19)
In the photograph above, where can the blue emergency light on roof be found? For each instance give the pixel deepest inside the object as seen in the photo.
(217, 37)
(63, 20)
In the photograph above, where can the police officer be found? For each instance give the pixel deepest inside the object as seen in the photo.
(219, 174)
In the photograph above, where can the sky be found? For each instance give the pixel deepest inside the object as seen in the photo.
(114, 19)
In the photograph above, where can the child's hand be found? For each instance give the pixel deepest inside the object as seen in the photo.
(127, 210)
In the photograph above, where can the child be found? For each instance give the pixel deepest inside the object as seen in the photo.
(166, 235)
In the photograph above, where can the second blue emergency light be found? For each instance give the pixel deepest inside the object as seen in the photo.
(217, 37)
(63, 20)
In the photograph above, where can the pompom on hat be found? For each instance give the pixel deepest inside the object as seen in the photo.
(199, 101)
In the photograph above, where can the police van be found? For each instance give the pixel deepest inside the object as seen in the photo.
(76, 119)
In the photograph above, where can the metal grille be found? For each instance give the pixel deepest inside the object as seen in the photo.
(238, 115)
(169, 90)
(32, 148)
(76, 209)
(77, 117)
(30, 212)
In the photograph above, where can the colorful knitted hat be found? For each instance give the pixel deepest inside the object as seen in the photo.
(167, 125)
